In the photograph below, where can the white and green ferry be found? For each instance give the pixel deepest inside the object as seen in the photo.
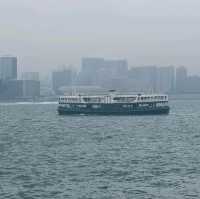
(114, 104)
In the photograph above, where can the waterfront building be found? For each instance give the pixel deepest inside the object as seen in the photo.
(90, 67)
(31, 76)
(62, 78)
(8, 68)
(116, 68)
(100, 72)
(12, 89)
(181, 79)
(166, 79)
(143, 78)
(18, 89)
(192, 85)
(31, 88)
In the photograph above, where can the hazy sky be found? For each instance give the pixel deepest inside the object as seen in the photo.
(47, 33)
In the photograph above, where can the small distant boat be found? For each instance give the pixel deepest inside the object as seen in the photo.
(114, 104)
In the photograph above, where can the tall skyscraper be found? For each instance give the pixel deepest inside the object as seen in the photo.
(31, 88)
(116, 68)
(166, 79)
(181, 79)
(92, 64)
(98, 71)
(89, 71)
(31, 76)
(143, 78)
(17, 89)
(8, 68)
(61, 78)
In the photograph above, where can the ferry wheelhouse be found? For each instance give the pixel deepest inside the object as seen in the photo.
(114, 104)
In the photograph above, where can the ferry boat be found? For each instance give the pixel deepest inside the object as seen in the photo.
(114, 104)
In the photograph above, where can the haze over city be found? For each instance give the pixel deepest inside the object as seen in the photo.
(99, 99)
(47, 34)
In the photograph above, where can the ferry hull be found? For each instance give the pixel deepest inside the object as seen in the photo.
(113, 109)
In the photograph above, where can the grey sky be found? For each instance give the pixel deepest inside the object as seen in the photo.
(48, 33)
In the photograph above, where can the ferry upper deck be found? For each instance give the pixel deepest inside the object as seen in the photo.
(114, 98)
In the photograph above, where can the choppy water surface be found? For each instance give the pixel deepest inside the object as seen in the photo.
(44, 155)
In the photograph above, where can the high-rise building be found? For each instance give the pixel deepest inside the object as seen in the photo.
(143, 78)
(31, 88)
(89, 71)
(166, 79)
(181, 79)
(113, 74)
(31, 76)
(62, 78)
(8, 68)
(116, 68)
(92, 64)
(192, 84)
(12, 89)
(100, 72)
(16, 89)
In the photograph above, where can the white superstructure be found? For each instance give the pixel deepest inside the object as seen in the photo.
(114, 98)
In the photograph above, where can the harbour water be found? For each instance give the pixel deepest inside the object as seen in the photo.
(44, 155)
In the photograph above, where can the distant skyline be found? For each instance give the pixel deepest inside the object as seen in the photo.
(47, 34)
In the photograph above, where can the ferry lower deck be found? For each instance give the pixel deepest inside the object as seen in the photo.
(113, 109)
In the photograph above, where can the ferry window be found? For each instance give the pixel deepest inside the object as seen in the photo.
(143, 105)
(82, 106)
(67, 105)
(127, 106)
(96, 106)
